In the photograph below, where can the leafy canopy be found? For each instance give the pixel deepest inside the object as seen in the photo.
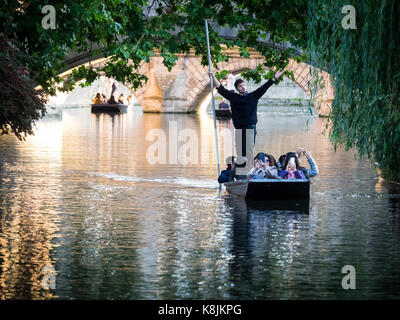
(130, 32)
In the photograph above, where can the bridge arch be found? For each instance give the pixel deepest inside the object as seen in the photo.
(184, 88)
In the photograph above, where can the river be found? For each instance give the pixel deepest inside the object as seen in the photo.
(85, 204)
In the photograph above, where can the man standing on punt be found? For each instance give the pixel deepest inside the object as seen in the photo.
(244, 114)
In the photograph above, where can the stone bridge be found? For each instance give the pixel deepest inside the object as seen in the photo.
(187, 85)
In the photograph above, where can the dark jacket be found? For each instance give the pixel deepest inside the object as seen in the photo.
(244, 107)
(223, 105)
(227, 175)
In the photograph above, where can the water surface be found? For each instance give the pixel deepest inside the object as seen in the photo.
(81, 197)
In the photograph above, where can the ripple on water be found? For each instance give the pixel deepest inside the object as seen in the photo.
(80, 196)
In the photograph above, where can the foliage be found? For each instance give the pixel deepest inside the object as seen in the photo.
(21, 104)
(132, 31)
(365, 68)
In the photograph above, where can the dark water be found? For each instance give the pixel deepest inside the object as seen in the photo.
(82, 198)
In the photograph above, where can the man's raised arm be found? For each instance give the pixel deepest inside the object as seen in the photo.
(258, 93)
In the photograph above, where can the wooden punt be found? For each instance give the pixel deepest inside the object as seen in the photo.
(223, 113)
(105, 107)
(298, 205)
(263, 189)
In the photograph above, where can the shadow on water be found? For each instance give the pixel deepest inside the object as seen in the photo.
(264, 241)
(109, 112)
(294, 206)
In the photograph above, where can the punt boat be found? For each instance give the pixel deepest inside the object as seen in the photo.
(223, 113)
(270, 189)
(105, 107)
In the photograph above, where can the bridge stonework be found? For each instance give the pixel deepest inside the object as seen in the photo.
(183, 89)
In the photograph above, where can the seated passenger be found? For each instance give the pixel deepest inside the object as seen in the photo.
(223, 105)
(112, 100)
(121, 99)
(272, 171)
(313, 165)
(264, 167)
(129, 100)
(258, 171)
(98, 99)
(228, 175)
(291, 168)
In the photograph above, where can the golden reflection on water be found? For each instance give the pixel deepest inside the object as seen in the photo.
(28, 221)
(26, 245)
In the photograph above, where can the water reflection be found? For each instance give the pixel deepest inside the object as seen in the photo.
(265, 245)
(29, 214)
(82, 196)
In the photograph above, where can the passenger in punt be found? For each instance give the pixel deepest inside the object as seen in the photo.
(264, 167)
(98, 99)
(228, 174)
(223, 105)
(121, 99)
(112, 100)
(271, 167)
(313, 165)
(309, 173)
(291, 168)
